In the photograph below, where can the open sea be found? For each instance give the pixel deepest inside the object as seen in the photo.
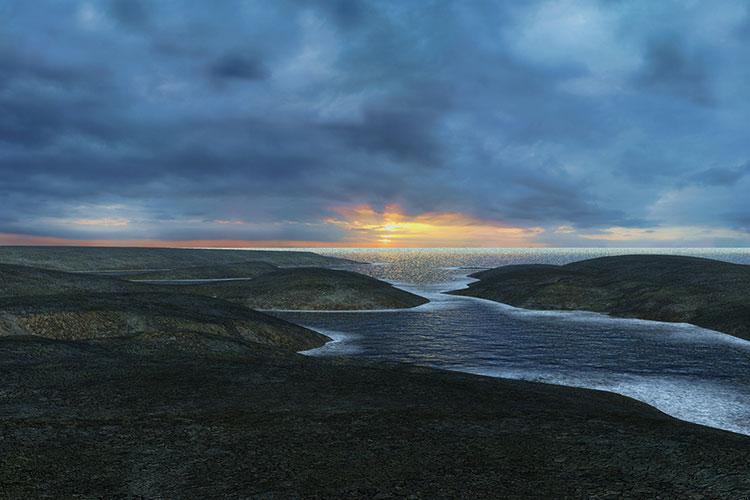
(690, 373)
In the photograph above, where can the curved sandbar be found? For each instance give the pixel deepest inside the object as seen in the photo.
(707, 293)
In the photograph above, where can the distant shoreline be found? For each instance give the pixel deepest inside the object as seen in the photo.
(703, 292)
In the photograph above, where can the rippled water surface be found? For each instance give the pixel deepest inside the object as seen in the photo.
(691, 373)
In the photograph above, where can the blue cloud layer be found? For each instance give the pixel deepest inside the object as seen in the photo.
(577, 113)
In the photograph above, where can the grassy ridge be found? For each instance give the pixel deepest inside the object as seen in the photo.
(236, 270)
(311, 288)
(179, 318)
(125, 259)
(270, 288)
(73, 305)
(708, 293)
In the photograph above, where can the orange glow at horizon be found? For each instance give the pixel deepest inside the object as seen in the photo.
(25, 240)
(393, 228)
(362, 225)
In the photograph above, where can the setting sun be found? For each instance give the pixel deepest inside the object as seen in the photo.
(393, 228)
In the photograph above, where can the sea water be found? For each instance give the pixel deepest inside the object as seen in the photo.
(688, 372)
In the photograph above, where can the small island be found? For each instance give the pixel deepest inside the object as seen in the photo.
(707, 293)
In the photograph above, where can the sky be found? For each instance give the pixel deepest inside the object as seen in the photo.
(409, 123)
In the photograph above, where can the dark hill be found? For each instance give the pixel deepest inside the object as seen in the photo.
(177, 318)
(249, 269)
(271, 288)
(61, 305)
(708, 293)
(130, 259)
(16, 281)
(311, 288)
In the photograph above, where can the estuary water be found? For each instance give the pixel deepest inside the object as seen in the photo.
(691, 373)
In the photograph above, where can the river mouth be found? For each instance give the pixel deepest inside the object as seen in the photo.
(688, 372)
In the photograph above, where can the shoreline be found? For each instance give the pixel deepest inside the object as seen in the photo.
(626, 390)
(340, 344)
(342, 347)
(601, 316)
(339, 338)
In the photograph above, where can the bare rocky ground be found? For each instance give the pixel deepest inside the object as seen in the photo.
(263, 285)
(128, 417)
(310, 288)
(131, 390)
(152, 259)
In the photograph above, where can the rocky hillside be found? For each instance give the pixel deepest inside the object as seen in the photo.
(61, 305)
(216, 316)
(708, 293)
(17, 281)
(178, 318)
(110, 418)
(130, 259)
(238, 270)
(270, 287)
(311, 288)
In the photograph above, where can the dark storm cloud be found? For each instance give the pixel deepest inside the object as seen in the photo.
(402, 134)
(743, 29)
(569, 113)
(238, 66)
(722, 176)
(131, 13)
(345, 13)
(672, 69)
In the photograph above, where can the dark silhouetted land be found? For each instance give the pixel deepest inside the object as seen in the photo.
(138, 416)
(161, 259)
(248, 269)
(174, 318)
(111, 388)
(269, 287)
(311, 288)
(708, 293)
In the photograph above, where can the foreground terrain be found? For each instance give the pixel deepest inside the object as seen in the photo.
(708, 293)
(123, 417)
(115, 388)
